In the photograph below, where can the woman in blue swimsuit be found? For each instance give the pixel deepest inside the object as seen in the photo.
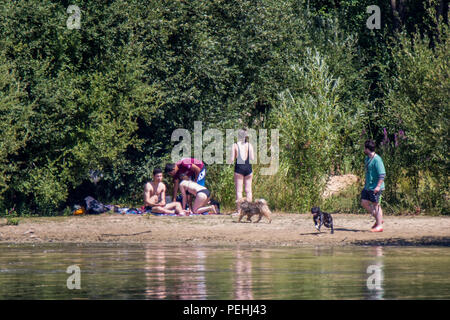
(241, 154)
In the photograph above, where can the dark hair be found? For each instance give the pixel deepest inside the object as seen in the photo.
(156, 171)
(169, 167)
(246, 134)
(370, 144)
(242, 133)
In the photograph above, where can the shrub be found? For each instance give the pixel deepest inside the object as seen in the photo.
(311, 122)
(10, 221)
(415, 139)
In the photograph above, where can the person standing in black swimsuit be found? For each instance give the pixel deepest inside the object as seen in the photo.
(241, 154)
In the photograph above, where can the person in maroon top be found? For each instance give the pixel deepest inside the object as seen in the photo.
(155, 196)
(193, 168)
(241, 154)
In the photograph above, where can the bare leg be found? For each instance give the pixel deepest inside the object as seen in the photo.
(206, 209)
(174, 206)
(368, 206)
(248, 187)
(378, 214)
(375, 210)
(200, 200)
(159, 209)
(238, 182)
(189, 200)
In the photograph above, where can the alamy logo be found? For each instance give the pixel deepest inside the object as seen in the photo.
(374, 21)
(201, 175)
(74, 281)
(74, 20)
(209, 146)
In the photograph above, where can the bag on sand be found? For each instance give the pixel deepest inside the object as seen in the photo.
(211, 202)
(78, 211)
(215, 203)
(93, 206)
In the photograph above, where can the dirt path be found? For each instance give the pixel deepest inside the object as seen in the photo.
(285, 230)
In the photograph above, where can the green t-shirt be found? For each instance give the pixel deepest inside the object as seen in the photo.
(374, 167)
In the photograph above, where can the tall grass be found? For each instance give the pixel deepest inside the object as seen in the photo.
(313, 124)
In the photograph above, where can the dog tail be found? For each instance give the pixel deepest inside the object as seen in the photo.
(263, 201)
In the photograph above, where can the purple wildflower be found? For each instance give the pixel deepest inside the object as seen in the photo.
(386, 139)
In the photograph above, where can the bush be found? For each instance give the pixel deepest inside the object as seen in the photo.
(108, 96)
(14, 119)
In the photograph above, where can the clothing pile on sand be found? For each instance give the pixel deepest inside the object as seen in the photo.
(93, 206)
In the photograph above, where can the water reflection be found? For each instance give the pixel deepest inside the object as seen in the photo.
(240, 273)
(375, 270)
(191, 275)
(243, 275)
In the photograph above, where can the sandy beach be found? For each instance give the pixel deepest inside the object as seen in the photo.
(285, 230)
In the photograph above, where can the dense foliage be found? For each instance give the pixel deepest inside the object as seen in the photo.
(106, 97)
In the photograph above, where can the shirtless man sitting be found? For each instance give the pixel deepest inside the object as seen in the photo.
(155, 196)
(201, 194)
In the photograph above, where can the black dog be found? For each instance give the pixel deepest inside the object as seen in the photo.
(320, 218)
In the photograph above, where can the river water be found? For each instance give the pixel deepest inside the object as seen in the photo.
(132, 271)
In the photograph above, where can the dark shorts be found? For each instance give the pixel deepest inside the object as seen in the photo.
(205, 191)
(244, 169)
(370, 196)
(201, 177)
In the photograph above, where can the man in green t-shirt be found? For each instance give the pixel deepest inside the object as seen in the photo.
(374, 186)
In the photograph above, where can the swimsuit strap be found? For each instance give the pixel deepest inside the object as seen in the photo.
(248, 154)
(188, 182)
(239, 154)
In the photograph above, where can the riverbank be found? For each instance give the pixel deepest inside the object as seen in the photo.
(285, 230)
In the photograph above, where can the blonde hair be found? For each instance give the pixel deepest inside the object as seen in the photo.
(243, 135)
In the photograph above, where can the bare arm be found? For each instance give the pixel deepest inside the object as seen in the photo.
(176, 182)
(196, 170)
(380, 182)
(250, 152)
(183, 194)
(233, 154)
(162, 203)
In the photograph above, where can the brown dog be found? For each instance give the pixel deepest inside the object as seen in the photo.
(258, 207)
